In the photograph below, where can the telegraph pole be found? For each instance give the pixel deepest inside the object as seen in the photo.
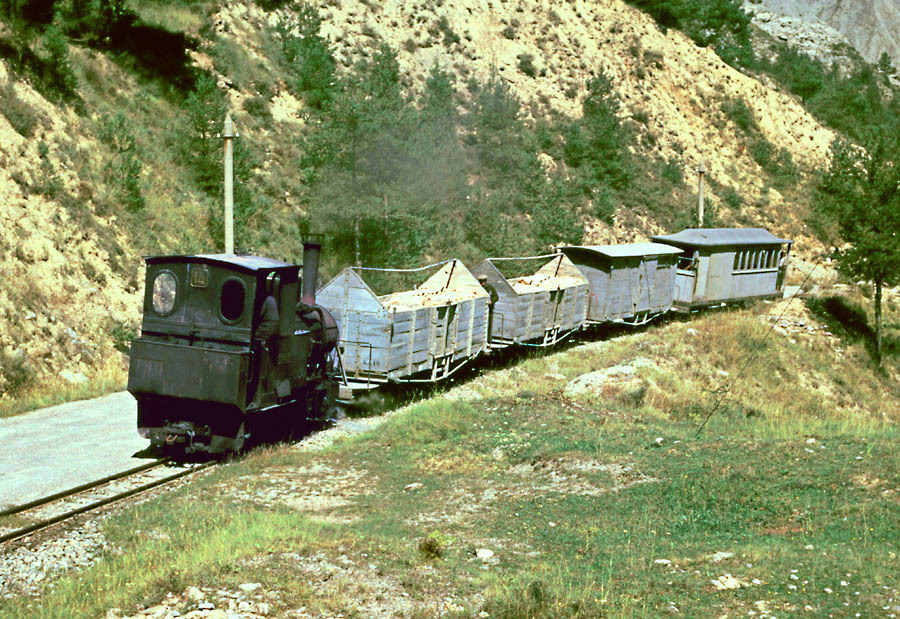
(701, 171)
(228, 135)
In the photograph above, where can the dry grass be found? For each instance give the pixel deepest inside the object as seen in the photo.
(108, 375)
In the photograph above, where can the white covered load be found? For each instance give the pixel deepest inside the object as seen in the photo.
(427, 331)
(539, 308)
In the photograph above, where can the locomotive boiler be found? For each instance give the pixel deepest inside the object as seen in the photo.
(230, 346)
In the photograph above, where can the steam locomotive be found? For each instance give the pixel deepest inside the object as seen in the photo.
(210, 367)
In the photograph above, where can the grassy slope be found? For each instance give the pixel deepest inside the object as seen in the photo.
(797, 476)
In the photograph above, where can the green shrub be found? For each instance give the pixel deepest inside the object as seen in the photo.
(741, 115)
(671, 171)
(124, 168)
(444, 28)
(59, 75)
(526, 64)
(731, 198)
(16, 373)
(19, 114)
(49, 182)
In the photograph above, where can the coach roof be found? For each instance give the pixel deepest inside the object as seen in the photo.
(718, 237)
(625, 250)
(251, 264)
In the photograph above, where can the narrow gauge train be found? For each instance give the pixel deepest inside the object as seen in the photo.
(202, 375)
(207, 369)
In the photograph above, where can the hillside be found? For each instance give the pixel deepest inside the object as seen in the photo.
(71, 245)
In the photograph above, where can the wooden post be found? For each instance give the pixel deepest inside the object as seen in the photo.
(701, 171)
(228, 135)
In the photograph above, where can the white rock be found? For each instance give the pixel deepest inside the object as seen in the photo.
(726, 582)
(662, 562)
(75, 378)
(413, 486)
(206, 606)
(721, 556)
(691, 331)
(810, 441)
(484, 554)
(195, 594)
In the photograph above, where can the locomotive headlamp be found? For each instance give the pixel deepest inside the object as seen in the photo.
(165, 287)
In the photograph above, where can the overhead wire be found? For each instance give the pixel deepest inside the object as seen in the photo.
(723, 392)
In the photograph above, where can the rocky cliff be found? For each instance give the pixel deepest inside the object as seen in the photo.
(871, 26)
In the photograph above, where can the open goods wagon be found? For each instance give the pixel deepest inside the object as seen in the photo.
(537, 309)
(414, 335)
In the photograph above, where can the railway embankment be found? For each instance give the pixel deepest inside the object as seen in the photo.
(511, 494)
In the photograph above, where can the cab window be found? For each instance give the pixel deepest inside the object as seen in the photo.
(232, 299)
(165, 291)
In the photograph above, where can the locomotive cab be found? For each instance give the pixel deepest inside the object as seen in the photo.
(214, 353)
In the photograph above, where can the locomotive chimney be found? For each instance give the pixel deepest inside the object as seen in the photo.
(312, 245)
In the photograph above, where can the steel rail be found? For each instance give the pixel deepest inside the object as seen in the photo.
(22, 532)
(82, 488)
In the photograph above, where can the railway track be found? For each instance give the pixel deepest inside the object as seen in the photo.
(61, 506)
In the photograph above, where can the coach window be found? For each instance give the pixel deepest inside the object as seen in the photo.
(165, 289)
(231, 302)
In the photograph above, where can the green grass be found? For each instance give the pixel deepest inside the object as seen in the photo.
(796, 480)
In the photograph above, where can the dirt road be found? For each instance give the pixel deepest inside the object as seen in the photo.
(56, 448)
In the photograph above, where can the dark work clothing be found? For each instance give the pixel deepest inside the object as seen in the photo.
(492, 292)
(269, 320)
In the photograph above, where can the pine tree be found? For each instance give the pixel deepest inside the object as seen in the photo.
(861, 192)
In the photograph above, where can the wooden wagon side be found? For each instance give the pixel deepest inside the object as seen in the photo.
(629, 283)
(364, 326)
(414, 335)
(537, 309)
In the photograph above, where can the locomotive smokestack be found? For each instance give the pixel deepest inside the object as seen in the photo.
(312, 246)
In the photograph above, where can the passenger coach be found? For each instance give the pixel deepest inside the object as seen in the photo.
(727, 265)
